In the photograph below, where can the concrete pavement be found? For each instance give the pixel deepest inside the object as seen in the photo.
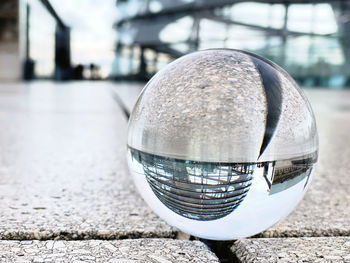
(63, 175)
(117, 251)
(302, 249)
(63, 166)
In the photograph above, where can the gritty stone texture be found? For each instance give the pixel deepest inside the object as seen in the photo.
(325, 208)
(197, 107)
(312, 249)
(63, 172)
(121, 251)
(295, 134)
(212, 106)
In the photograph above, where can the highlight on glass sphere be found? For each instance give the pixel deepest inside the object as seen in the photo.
(222, 144)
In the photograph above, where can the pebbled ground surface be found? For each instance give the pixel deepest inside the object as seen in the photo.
(311, 249)
(63, 171)
(63, 175)
(117, 251)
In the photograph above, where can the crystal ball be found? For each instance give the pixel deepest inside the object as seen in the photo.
(222, 144)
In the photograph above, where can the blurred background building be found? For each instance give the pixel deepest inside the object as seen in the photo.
(309, 38)
(9, 41)
(133, 39)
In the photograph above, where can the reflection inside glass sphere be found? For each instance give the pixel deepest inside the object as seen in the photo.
(222, 144)
(207, 191)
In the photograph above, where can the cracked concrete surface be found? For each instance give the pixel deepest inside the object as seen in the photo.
(63, 175)
(311, 249)
(117, 251)
(63, 171)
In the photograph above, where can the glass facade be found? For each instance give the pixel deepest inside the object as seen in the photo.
(42, 41)
(74, 40)
(310, 39)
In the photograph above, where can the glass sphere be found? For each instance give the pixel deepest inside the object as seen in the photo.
(222, 144)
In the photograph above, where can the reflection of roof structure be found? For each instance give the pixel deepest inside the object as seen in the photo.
(140, 30)
(196, 190)
(53, 12)
(208, 191)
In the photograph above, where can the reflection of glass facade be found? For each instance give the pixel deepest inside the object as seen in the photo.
(310, 39)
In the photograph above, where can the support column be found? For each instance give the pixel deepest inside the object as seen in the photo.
(62, 53)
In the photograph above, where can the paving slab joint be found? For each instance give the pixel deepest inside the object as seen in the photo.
(222, 249)
(296, 234)
(82, 235)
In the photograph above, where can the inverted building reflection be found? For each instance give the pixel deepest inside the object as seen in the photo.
(208, 190)
(290, 172)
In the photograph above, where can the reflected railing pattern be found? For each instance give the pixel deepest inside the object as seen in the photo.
(196, 190)
(209, 191)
